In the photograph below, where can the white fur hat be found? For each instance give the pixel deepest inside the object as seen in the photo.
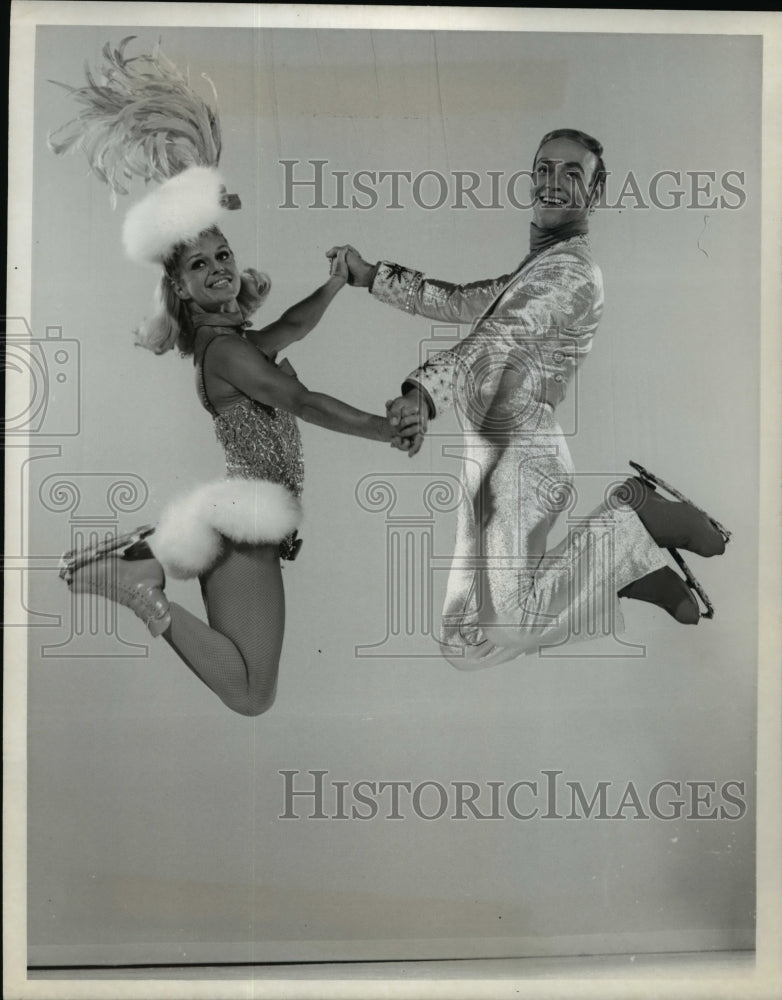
(188, 539)
(176, 212)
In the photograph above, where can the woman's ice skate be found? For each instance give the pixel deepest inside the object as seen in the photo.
(123, 545)
(136, 583)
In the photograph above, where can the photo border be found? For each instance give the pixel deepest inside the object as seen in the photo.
(400, 979)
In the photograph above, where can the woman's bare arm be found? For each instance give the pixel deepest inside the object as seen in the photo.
(248, 370)
(296, 322)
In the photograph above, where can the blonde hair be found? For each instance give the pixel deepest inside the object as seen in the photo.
(170, 326)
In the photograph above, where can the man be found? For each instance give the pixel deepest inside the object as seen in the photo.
(531, 330)
(568, 179)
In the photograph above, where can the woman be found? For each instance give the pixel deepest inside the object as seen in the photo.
(253, 403)
(507, 594)
(143, 119)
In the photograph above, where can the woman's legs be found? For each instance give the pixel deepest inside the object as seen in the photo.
(237, 654)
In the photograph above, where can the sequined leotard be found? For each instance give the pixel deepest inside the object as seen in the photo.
(259, 441)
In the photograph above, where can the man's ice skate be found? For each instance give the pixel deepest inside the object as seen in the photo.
(653, 482)
(673, 524)
(694, 584)
(676, 524)
(665, 588)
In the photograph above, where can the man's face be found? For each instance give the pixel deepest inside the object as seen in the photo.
(561, 179)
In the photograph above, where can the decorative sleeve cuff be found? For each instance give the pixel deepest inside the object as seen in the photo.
(411, 384)
(396, 285)
(435, 380)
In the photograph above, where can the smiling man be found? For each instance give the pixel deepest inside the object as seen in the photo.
(568, 178)
(531, 329)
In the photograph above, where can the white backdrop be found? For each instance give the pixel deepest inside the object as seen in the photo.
(153, 812)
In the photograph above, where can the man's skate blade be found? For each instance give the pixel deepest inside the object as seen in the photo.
(694, 585)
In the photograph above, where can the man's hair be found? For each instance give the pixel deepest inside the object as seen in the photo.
(598, 183)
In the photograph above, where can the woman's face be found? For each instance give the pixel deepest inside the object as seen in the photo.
(207, 274)
(561, 179)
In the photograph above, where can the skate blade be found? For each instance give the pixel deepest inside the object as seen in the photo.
(653, 482)
(75, 559)
(694, 584)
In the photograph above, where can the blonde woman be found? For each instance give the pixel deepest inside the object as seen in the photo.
(142, 118)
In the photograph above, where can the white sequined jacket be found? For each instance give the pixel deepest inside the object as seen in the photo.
(530, 330)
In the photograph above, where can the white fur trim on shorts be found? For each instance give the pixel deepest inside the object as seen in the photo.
(188, 539)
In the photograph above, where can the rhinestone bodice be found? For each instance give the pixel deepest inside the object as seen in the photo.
(259, 441)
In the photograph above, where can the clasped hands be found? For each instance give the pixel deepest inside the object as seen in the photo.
(408, 414)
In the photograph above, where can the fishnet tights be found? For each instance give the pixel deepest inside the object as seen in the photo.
(237, 655)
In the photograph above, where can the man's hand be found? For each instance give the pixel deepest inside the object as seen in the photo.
(360, 273)
(409, 416)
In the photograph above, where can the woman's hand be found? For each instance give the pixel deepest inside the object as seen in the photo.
(408, 417)
(360, 273)
(339, 270)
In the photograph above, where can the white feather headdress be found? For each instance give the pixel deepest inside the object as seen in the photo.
(176, 212)
(141, 118)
